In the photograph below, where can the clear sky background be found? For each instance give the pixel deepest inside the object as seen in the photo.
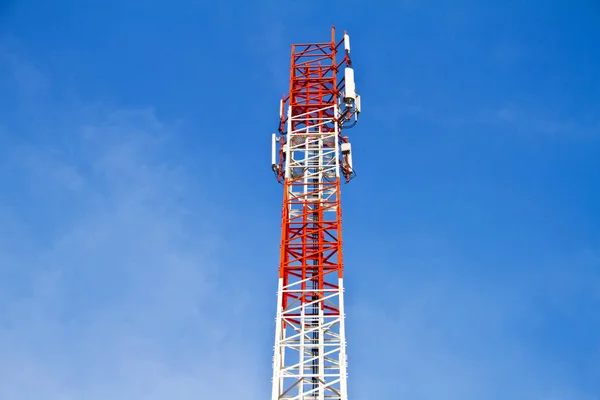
(140, 221)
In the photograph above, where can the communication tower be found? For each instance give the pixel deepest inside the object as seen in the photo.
(310, 156)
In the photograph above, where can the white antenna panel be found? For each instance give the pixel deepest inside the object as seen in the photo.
(273, 150)
(350, 92)
(281, 109)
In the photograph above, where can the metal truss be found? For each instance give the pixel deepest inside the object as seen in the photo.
(310, 346)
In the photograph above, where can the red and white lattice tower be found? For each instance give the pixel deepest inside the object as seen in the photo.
(310, 156)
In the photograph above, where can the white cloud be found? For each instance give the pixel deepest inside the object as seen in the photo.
(111, 291)
(460, 338)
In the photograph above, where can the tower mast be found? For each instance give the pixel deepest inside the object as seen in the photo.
(310, 156)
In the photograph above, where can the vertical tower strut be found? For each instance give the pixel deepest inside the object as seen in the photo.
(309, 157)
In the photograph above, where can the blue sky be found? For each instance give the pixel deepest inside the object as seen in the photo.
(139, 228)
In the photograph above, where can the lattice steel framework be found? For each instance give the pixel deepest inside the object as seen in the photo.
(309, 157)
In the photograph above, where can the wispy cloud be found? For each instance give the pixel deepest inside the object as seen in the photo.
(111, 290)
(536, 123)
(469, 338)
(519, 119)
